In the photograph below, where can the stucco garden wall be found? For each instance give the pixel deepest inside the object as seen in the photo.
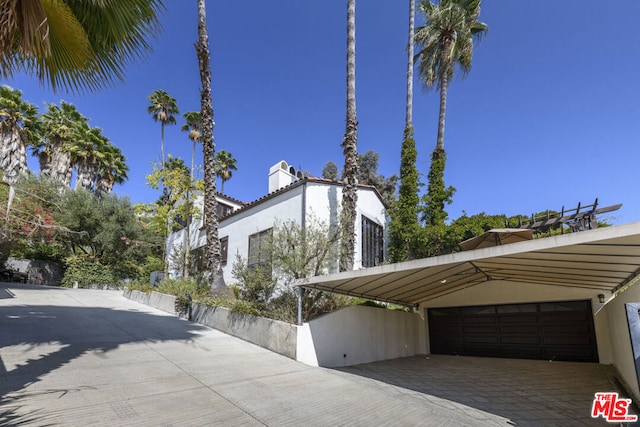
(360, 334)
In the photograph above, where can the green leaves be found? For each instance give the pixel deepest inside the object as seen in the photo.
(76, 45)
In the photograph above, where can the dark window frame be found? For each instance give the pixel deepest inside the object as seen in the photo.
(224, 249)
(259, 250)
(372, 245)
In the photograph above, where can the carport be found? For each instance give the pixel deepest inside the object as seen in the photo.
(549, 298)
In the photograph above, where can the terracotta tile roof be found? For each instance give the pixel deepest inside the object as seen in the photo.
(296, 184)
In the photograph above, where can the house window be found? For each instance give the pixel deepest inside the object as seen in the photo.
(224, 249)
(259, 250)
(199, 259)
(372, 243)
(223, 210)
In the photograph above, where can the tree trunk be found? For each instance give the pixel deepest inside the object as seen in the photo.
(349, 145)
(410, 45)
(162, 143)
(13, 161)
(444, 86)
(86, 174)
(60, 165)
(213, 274)
(187, 236)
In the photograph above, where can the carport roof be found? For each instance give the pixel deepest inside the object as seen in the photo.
(604, 259)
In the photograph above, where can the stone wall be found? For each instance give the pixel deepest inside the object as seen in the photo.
(36, 272)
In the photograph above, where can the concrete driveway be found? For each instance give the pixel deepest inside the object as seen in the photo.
(78, 357)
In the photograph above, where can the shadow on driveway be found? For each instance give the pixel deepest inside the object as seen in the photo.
(36, 340)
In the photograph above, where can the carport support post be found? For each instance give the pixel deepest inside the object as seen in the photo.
(300, 290)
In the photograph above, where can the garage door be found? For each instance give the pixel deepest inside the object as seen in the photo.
(549, 331)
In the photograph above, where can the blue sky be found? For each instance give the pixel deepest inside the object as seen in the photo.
(549, 115)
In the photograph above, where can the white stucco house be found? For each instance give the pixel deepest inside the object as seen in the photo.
(290, 196)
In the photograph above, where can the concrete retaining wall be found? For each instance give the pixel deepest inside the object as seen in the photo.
(164, 302)
(349, 336)
(279, 337)
(360, 334)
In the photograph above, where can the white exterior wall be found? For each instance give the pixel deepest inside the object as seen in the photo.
(616, 314)
(283, 207)
(318, 199)
(505, 292)
(360, 334)
(324, 201)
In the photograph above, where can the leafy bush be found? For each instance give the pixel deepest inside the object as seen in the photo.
(86, 271)
(254, 284)
(140, 285)
(181, 287)
(236, 305)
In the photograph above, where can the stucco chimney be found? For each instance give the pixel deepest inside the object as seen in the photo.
(281, 175)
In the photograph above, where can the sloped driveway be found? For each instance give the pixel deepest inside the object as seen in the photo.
(87, 357)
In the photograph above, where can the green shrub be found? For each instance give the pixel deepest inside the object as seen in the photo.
(86, 271)
(180, 287)
(140, 285)
(236, 305)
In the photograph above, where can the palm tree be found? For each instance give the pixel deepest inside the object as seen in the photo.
(224, 164)
(193, 125)
(404, 225)
(87, 153)
(350, 150)
(112, 169)
(444, 42)
(163, 109)
(19, 127)
(212, 249)
(60, 128)
(75, 44)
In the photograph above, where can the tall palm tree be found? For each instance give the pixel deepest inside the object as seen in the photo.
(193, 125)
(350, 150)
(404, 225)
(60, 129)
(163, 109)
(75, 44)
(224, 164)
(410, 49)
(112, 169)
(445, 43)
(19, 127)
(212, 249)
(87, 152)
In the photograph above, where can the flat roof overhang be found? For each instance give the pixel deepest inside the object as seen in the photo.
(604, 259)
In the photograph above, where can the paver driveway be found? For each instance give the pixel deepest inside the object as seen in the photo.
(86, 357)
